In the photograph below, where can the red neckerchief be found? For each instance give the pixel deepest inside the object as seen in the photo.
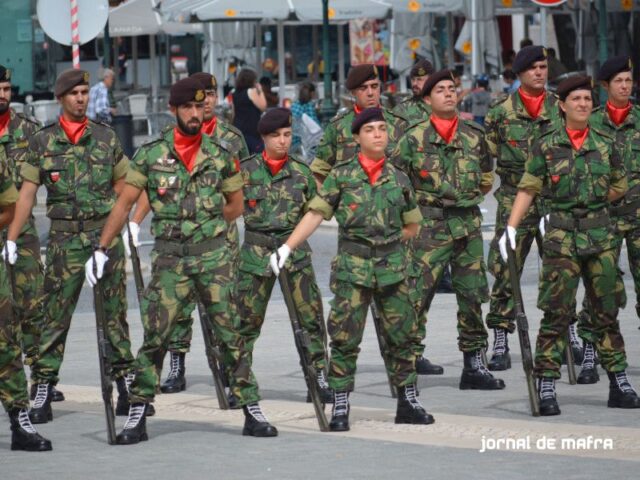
(532, 104)
(4, 122)
(372, 168)
(446, 127)
(274, 166)
(73, 130)
(187, 147)
(358, 110)
(577, 137)
(618, 115)
(210, 126)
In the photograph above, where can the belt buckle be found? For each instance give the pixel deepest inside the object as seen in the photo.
(185, 250)
(80, 225)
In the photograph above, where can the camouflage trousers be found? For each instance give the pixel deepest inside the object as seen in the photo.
(183, 331)
(456, 241)
(28, 295)
(561, 273)
(13, 381)
(501, 314)
(254, 292)
(346, 323)
(174, 282)
(63, 280)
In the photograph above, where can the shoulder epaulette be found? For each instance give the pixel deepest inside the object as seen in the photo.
(231, 128)
(248, 159)
(602, 132)
(27, 119)
(102, 124)
(474, 125)
(338, 116)
(501, 98)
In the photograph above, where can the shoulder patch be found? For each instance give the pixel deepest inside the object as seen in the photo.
(602, 132)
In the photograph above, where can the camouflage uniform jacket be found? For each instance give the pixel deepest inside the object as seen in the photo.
(273, 206)
(627, 138)
(576, 185)
(370, 215)
(413, 109)
(8, 191)
(337, 143)
(187, 206)
(78, 178)
(230, 138)
(511, 133)
(446, 175)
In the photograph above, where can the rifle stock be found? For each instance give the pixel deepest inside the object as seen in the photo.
(302, 345)
(135, 263)
(104, 357)
(523, 332)
(382, 344)
(214, 357)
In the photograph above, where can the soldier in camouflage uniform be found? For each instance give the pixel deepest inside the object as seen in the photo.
(277, 189)
(194, 187)
(376, 209)
(82, 166)
(13, 381)
(581, 171)
(337, 143)
(513, 123)
(414, 109)
(231, 139)
(448, 163)
(621, 120)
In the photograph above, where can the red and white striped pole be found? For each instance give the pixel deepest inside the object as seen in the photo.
(75, 34)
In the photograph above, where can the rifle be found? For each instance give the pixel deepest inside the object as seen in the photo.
(104, 357)
(135, 263)
(571, 366)
(214, 357)
(523, 331)
(382, 343)
(302, 341)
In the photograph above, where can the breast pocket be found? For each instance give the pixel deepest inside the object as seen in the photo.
(209, 194)
(430, 171)
(164, 191)
(55, 174)
(255, 199)
(469, 173)
(395, 205)
(101, 178)
(600, 175)
(559, 175)
(354, 206)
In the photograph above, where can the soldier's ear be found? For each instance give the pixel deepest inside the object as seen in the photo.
(173, 109)
(356, 137)
(605, 84)
(562, 107)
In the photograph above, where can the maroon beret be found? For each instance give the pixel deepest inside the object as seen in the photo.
(273, 119)
(613, 66)
(577, 82)
(434, 79)
(70, 79)
(186, 90)
(527, 56)
(421, 68)
(207, 80)
(359, 74)
(367, 115)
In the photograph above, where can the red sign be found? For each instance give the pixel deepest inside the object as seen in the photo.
(548, 3)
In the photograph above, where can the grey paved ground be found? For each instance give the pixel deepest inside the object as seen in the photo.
(191, 438)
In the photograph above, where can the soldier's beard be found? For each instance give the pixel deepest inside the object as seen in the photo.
(186, 129)
(4, 106)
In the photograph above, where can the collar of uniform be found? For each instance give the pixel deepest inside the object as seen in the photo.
(434, 137)
(630, 121)
(362, 175)
(61, 136)
(563, 138)
(521, 111)
(284, 172)
(201, 156)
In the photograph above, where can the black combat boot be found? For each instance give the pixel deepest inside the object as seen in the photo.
(589, 372)
(425, 367)
(175, 382)
(255, 423)
(409, 409)
(56, 395)
(501, 359)
(123, 384)
(340, 413)
(576, 344)
(135, 428)
(326, 394)
(621, 393)
(23, 435)
(475, 375)
(41, 409)
(547, 395)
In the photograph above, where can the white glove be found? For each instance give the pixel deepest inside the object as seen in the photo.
(541, 227)
(277, 258)
(510, 233)
(135, 236)
(10, 252)
(101, 260)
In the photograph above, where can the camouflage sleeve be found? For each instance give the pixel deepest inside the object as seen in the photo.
(534, 170)
(486, 163)
(30, 169)
(231, 177)
(8, 191)
(138, 169)
(491, 129)
(121, 164)
(244, 150)
(312, 189)
(411, 212)
(401, 155)
(325, 152)
(618, 182)
(327, 198)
